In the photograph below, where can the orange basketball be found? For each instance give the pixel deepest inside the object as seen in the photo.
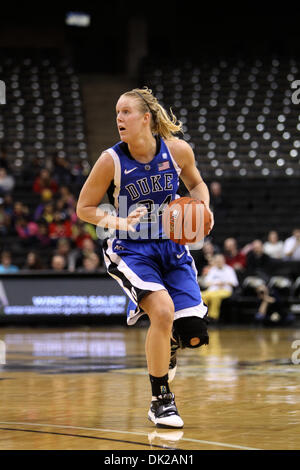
(186, 220)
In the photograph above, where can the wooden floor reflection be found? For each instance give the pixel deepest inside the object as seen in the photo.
(87, 388)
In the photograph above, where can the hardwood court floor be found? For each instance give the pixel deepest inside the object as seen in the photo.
(88, 388)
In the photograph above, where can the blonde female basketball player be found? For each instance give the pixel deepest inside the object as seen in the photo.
(158, 275)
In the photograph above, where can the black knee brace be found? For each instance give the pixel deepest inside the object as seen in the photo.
(186, 328)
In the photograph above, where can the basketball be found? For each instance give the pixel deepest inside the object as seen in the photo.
(186, 220)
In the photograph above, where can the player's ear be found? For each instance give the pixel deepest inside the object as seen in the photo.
(147, 118)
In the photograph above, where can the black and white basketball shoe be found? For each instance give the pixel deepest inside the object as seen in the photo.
(163, 412)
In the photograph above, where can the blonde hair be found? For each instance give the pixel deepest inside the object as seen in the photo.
(163, 124)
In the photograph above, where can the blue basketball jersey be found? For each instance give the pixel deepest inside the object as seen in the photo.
(153, 185)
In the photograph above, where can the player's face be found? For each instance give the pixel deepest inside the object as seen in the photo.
(130, 120)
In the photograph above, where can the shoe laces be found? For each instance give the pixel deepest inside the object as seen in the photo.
(166, 398)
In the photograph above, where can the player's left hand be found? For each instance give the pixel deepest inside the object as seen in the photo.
(212, 220)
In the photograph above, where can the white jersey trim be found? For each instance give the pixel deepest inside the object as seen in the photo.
(117, 176)
(134, 279)
(196, 311)
(175, 164)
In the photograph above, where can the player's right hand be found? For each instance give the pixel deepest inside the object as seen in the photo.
(133, 219)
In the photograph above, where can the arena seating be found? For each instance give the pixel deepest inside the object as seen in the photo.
(254, 206)
(43, 115)
(239, 118)
(42, 120)
(238, 114)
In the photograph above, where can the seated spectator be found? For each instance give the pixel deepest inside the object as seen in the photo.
(58, 263)
(203, 258)
(233, 257)
(8, 204)
(31, 169)
(44, 181)
(291, 247)
(61, 170)
(220, 281)
(82, 231)
(7, 182)
(43, 239)
(60, 228)
(258, 263)
(64, 249)
(19, 210)
(272, 307)
(33, 261)
(273, 246)
(80, 171)
(67, 211)
(6, 265)
(46, 197)
(218, 204)
(68, 198)
(5, 220)
(91, 263)
(45, 212)
(88, 248)
(26, 230)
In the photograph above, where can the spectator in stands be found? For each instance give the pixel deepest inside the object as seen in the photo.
(44, 181)
(82, 231)
(66, 195)
(220, 281)
(45, 212)
(258, 263)
(272, 307)
(291, 248)
(33, 261)
(6, 265)
(43, 239)
(273, 246)
(7, 182)
(203, 258)
(79, 172)
(58, 263)
(218, 203)
(59, 228)
(66, 209)
(46, 197)
(61, 170)
(68, 202)
(8, 204)
(233, 256)
(64, 249)
(91, 263)
(19, 210)
(5, 219)
(88, 248)
(26, 230)
(32, 169)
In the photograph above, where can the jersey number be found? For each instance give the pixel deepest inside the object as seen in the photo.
(151, 216)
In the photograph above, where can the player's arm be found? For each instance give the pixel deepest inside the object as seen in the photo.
(92, 193)
(190, 175)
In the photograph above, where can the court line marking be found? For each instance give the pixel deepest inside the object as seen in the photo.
(88, 437)
(186, 439)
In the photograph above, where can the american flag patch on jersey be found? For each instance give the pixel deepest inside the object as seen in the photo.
(163, 166)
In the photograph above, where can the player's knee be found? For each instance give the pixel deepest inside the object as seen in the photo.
(191, 332)
(163, 317)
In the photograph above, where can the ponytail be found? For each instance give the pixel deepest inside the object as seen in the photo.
(163, 124)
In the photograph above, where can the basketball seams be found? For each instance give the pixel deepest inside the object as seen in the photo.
(185, 227)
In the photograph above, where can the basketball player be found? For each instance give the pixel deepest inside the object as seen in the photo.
(142, 172)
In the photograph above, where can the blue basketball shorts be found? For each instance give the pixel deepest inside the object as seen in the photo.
(148, 266)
